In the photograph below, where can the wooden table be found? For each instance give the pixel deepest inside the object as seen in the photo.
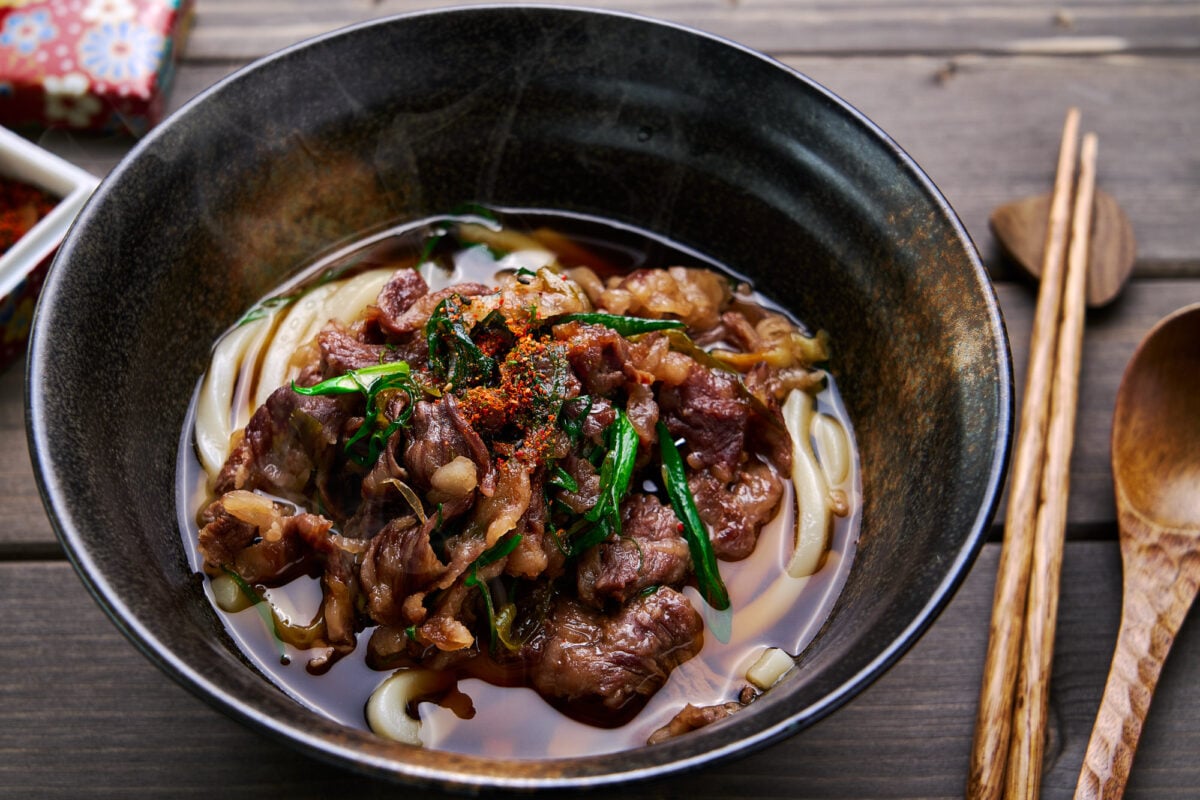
(975, 90)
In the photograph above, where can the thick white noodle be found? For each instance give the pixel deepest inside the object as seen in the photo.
(387, 708)
(833, 449)
(355, 294)
(813, 514)
(214, 422)
(225, 404)
(295, 322)
(343, 301)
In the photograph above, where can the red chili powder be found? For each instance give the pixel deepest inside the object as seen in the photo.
(522, 396)
(21, 206)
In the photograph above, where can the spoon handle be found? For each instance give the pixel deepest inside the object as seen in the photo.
(1162, 575)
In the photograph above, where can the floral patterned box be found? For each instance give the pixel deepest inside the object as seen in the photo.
(101, 65)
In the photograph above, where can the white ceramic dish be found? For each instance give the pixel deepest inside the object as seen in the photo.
(23, 266)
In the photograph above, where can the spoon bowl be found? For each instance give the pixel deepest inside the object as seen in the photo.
(1156, 474)
(1156, 430)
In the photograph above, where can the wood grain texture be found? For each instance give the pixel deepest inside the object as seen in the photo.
(993, 726)
(985, 130)
(233, 29)
(25, 529)
(1161, 579)
(1156, 437)
(79, 706)
(1019, 227)
(1041, 610)
(1110, 337)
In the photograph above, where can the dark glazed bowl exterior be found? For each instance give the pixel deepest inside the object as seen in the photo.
(678, 132)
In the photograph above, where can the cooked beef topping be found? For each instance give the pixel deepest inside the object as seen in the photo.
(288, 439)
(598, 354)
(736, 511)
(414, 318)
(398, 296)
(399, 562)
(710, 412)
(649, 552)
(582, 653)
(439, 435)
(477, 474)
(341, 351)
(692, 718)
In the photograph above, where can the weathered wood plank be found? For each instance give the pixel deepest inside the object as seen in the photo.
(24, 527)
(232, 29)
(986, 130)
(80, 707)
(1109, 340)
(955, 116)
(1110, 336)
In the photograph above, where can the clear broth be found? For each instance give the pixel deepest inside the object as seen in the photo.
(770, 609)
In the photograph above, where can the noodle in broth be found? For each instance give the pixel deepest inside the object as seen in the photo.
(768, 607)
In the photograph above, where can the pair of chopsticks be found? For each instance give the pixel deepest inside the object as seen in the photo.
(1006, 756)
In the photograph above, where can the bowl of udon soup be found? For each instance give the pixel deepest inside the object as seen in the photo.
(520, 397)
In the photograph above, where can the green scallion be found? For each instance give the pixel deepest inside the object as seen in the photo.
(493, 554)
(704, 561)
(626, 326)
(616, 471)
(369, 381)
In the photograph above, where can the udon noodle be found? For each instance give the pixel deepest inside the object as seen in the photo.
(485, 460)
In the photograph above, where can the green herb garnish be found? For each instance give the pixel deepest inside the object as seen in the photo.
(453, 354)
(571, 419)
(493, 554)
(562, 479)
(604, 518)
(626, 326)
(704, 562)
(369, 381)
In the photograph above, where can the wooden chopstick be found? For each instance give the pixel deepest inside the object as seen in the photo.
(993, 721)
(1037, 653)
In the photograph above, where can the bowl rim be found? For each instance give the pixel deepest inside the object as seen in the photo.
(501, 775)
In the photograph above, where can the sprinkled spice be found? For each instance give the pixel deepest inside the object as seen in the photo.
(21, 206)
(531, 386)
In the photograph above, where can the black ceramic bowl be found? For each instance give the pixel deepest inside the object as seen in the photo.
(691, 137)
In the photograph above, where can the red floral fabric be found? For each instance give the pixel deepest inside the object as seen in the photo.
(88, 64)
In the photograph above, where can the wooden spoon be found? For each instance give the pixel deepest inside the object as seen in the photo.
(1020, 227)
(1156, 477)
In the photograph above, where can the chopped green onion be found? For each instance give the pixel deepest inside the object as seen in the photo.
(617, 468)
(493, 554)
(615, 473)
(626, 326)
(572, 423)
(704, 562)
(563, 480)
(356, 380)
(370, 381)
(453, 354)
